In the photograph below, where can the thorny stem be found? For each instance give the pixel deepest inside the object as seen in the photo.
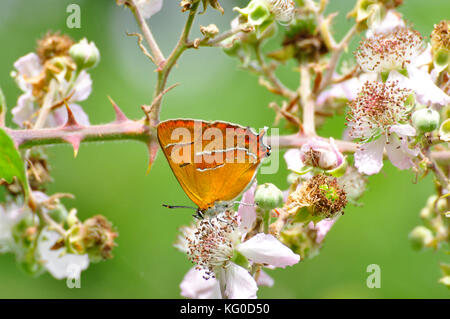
(138, 130)
(127, 130)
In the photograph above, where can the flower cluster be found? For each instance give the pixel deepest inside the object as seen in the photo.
(50, 76)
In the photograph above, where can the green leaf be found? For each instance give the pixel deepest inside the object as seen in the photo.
(11, 164)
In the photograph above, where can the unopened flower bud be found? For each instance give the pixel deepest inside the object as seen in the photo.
(441, 205)
(268, 196)
(420, 237)
(425, 120)
(426, 213)
(431, 201)
(210, 31)
(321, 154)
(85, 54)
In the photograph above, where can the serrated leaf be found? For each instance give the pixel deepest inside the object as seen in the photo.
(11, 164)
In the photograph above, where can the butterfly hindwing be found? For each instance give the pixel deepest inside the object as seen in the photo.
(212, 161)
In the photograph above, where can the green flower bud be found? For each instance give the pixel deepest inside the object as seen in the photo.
(85, 54)
(268, 196)
(425, 120)
(444, 131)
(441, 205)
(431, 200)
(420, 237)
(426, 213)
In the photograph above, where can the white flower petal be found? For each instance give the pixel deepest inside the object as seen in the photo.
(27, 67)
(426, 91)
(266, 249)
(369, 156)
(82, 87)
(239, 284)
(148, 7)
(24, 110)
(10, 215)
(293, 160)
(403, 129)
(59, 266)
(322, 227)
(247, 212)
(391, 21)
(397, 154)
(421, 83)
(264, 279)
(194, 286)
(424, 59)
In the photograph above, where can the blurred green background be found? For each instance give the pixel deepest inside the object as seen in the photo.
(109, 178)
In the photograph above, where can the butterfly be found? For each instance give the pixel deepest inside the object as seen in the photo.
(214, 162)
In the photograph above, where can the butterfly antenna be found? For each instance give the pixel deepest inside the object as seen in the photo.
(174, 206)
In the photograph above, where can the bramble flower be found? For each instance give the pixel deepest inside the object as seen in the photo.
(19, 232)
(378, 118)
(399, 55)
(218, 249)
(315, 153)
(283, 10)
(316, 199)
(389, 51)
(48, 80)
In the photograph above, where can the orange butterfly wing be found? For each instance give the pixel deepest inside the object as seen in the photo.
(212, 161)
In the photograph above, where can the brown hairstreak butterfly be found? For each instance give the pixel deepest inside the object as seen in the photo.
(214, 162)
